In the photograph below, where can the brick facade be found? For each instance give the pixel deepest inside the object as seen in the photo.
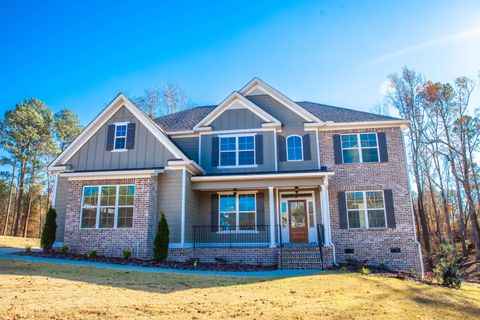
(111, 242)
(253, 256)
(374, 246)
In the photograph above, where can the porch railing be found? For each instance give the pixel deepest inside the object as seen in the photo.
(231, 236)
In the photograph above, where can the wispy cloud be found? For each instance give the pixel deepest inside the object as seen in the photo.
(461, 36)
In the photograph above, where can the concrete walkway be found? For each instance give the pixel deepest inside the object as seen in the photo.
(9, 253)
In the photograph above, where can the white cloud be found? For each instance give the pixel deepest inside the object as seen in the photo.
(384, 87)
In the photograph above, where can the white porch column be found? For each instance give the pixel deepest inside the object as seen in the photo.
(271, 206)
(326, 213)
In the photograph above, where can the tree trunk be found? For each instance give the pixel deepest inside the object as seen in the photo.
(29, 200)
(9, 203)
(21, 184)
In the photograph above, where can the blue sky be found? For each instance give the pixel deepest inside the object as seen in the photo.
(81, 54)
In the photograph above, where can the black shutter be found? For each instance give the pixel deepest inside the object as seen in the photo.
(214, 216)
(388, 195)
(215, 152)
(110, 137)
(130, 136)
(307, 152)
(382, 146)
(260, 211)
(282, 148)
(337, 148)
(342, 210)
(259, 148)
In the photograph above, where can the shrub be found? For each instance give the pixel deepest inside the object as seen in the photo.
(126, 254)
(64, 249)
(365, 271)
(49, 230)
(28, 249)
(160, 244)
(93, 254)
(446, 269)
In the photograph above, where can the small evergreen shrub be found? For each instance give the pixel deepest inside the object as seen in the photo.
(126, 254)
(446, 269)
(64, 249)
(28, 249)
(49, 230)
(160, 243)
(93, 254)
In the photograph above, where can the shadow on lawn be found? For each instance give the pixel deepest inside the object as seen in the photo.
(144, 281)
(437, 297)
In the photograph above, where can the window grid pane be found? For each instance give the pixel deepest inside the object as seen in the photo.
(294, 148)
(107, 217)
(363, 206)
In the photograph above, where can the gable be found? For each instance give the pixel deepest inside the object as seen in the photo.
(234, 119)
(148, 151)
(278, 110)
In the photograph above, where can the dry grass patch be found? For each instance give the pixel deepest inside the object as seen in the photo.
(18, 242)
(40, 291)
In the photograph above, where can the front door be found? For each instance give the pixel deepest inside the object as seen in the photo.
(298, 220)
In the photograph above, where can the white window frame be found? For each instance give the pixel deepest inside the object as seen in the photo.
(237, 151)
(237, 211)
(308, 199)
(99, 206)
(301, 147)
(364, 195)
(359, 147)
(115, 136)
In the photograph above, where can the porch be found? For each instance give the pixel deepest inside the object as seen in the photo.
(262, 210)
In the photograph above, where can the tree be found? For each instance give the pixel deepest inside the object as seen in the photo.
(160, 244)
(49, 230)
(163, 100)
(67, 127)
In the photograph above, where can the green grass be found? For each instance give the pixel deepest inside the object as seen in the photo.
(47, 291)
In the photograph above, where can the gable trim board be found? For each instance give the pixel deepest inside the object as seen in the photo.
(112, 174)
(258, 84)
(227, 104)
(403, 124)
(261, 176)
(119, 101)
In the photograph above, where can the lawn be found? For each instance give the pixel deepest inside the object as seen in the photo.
(18, 242)
(47, 291)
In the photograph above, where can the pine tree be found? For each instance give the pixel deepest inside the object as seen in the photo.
(49, 230)
(160, 244)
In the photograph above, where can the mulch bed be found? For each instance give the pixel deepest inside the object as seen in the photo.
(189, 265)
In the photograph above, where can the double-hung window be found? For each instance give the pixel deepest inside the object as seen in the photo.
(120, 141)
(294, 148)
(237, 212)
(237, 151)
(360, 147)
(107, 207)
(365, 209)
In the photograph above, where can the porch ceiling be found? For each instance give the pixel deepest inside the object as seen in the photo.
(304, 179)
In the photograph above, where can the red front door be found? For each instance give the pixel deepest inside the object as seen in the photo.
(297, 210)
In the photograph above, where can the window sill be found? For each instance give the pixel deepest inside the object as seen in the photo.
(242, 166)
(368, 229)
(294, 160)
(100, 229)
(119, 150)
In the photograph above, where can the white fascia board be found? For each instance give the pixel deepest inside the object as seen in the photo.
(225, 104)
(103, 117)
(111, 174)
(257, 83)
(403, 124)
(262, 176)
(191, 165)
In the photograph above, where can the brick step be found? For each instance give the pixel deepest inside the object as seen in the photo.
(308, 266)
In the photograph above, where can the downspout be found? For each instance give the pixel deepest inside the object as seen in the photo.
(184, 195)
(327, 205)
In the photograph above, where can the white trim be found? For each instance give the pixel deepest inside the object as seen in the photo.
(318, 149)
(275, 149)
(271, 204)
(366, 210)
(181, 134)
(301, 147)
(261, 176)
(184, 200)
(53, 197)
(103, 117)
(117, 124)
(403, 124)
(225, 105)
(257, 83)
(111, 174)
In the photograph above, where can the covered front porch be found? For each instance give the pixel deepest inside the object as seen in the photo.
(261, 210)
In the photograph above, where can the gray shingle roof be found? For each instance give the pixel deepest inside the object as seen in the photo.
(187, 119)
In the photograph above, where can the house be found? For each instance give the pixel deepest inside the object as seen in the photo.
(257, 179)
